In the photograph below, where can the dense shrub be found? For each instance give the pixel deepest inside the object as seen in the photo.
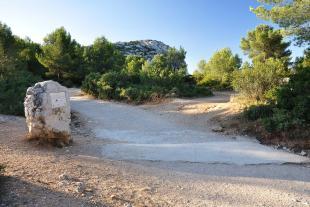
(140, 80)
(217, 72)
(15, 71)
(295, 96)
(89, 84)
(293, 103)
(281, 120)
(258, 82)
(256, 112)
(291, 110)
(13, 90)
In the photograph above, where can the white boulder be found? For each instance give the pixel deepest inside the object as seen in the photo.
(47, 111)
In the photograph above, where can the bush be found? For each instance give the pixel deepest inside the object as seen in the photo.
(217, 72)
(214, 84)
(142, 81)
(258, 82)
(13, 89)
(89, 85)
(291, 110)
(256, 112)
(295, 96)
(194, 91)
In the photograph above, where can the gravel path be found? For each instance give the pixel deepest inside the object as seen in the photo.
(156, 134)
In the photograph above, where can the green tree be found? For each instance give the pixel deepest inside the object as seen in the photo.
(102, 56)
(217, 72)
(263, 43)
(61, 55)
(175, 59)
(28, 51)
(7, 40)
(165, 69)
(259, 82)
(304, 61)
(134, 64)
(14, 77)
(293, 16)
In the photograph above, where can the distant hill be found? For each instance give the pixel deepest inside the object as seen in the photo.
(143, 48)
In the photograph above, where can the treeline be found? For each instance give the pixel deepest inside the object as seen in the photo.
(100, 68)
(276, 89)
(141, 80)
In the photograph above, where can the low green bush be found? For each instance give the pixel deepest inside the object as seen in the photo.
(89, 85)
(13, 89)
(281, 120)
(256, 112)
(140, 80)
(292, 108)
(258, 82)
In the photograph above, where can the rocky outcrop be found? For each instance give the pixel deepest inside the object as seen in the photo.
(143, 48)
(47, 111)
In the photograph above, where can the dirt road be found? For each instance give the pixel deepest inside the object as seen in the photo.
(39, 175)
(168, 132)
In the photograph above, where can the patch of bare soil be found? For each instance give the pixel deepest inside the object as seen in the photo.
(38, 174)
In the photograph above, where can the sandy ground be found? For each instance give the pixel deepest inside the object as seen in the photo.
(81, 175)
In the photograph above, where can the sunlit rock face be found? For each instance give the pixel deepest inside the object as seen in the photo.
(47, 111)
(143, 48)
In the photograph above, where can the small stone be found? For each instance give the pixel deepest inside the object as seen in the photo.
(79, 187)
(63, 183)
(127, 205)
(113, 197)
(217, 129)
(303, 153)
(64, 177)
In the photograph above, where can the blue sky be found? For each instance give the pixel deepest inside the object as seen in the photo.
(200, 26)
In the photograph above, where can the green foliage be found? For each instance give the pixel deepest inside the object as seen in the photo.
(165, 70)
(102, 56)
(303, 62)
(14, 75)
(13, 88)
(256, 112)
(292, 105)
(62, 56)
(27, 54)
(217, 72)
(89, 85)
(133, 64)
(263, 43)
(293, 16)
(294, 97)
(257, 82)
(142, 81)
(280, 121)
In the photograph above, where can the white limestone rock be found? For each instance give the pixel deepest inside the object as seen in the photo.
(142, 48)
(47, 111)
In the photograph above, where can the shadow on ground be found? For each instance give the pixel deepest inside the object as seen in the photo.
(17, 192)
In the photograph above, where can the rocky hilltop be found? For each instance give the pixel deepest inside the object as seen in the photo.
(143, 48)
